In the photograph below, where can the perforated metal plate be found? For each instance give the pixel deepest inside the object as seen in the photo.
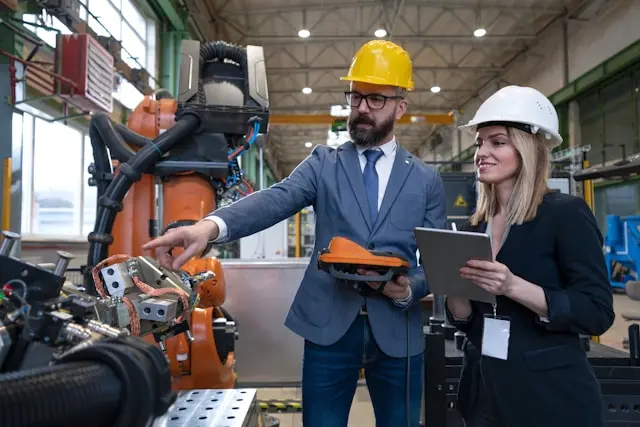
(213, 408)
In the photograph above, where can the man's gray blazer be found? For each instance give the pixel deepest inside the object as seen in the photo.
(331, 181)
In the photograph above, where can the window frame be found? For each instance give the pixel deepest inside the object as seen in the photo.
(38, 109)
(28, 190)
(149, 62)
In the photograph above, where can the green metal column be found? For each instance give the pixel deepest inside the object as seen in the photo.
(10, 150)
(170, 50)
(168, 78)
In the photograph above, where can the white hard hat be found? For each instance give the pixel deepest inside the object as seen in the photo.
(523, 108)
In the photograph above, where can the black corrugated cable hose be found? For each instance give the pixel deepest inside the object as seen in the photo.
(110, 203)
(113, 140)
(131, 137)
(103, 135)
(113, 383)
(60, 395)
(101, 160)
(219, 50)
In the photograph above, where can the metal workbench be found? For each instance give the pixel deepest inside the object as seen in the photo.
(617, 372)
(213, 408)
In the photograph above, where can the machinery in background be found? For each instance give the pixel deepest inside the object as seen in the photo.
(622, 250)
(622, 242)
(174, 163)
(267, 244)
(617, 372)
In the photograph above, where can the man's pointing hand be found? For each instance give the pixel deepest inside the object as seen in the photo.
(193, 238)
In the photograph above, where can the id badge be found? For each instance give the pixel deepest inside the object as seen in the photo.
(495, 336)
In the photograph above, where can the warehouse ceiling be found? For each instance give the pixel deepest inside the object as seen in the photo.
(439, 36)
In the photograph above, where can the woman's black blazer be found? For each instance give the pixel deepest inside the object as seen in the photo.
(547, 379)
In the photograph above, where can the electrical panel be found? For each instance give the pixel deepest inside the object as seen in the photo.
(82, 60)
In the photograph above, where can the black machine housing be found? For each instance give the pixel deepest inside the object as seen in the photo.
(226, 87)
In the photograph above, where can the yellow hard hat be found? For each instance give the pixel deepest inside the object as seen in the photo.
(382, 62)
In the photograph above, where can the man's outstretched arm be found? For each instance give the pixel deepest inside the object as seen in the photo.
(262, 209)
(245, 217)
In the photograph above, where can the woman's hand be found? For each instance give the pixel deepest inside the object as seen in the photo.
(491, 276)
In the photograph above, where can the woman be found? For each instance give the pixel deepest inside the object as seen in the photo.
(549, 278)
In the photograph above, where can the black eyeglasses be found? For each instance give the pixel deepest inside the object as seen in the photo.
(374, 101)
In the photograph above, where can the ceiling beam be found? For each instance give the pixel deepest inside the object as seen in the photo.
(439, 4)
(297, 70)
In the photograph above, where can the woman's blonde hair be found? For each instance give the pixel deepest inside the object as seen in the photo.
(530, 186)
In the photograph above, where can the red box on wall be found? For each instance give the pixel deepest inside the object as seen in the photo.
(81, 59)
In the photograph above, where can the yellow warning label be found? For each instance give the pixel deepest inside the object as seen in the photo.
(460, 202)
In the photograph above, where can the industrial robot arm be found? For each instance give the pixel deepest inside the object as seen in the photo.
(60, 366)
(175, 162)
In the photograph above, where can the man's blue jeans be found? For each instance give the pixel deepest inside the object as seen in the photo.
(330, 376)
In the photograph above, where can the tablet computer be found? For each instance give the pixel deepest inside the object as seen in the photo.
(444, 252)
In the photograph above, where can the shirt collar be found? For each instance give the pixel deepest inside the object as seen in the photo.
(387, 148)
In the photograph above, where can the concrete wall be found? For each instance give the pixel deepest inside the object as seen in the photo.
(589, 43)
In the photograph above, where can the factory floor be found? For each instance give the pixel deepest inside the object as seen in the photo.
(361, 410)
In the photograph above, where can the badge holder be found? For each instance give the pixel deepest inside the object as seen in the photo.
(495, 335)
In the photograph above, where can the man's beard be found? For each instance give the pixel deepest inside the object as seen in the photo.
(369, 137)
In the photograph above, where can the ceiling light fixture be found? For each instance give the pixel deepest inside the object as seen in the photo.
(303, 34)
(380, 32)
(435, 89)
(479, 32)
(307, 90)
(308, 144)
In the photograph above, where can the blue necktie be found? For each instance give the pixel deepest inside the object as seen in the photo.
(371, 182)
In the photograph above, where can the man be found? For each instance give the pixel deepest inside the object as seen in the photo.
(374, 192)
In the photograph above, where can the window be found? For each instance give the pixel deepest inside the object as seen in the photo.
(48, 35)
(57, 202)
(121, 20)
(138, 36)
(106, 19)
(56, 197)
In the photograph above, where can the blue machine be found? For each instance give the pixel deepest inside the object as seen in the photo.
(622, 249)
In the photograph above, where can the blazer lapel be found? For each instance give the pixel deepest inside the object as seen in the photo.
(351, 165)
(402, 166)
